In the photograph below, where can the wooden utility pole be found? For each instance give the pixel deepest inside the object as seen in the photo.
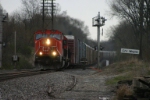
(52, 5)
(141, 26)
(43, 13)
(48, 8)
(1, 19)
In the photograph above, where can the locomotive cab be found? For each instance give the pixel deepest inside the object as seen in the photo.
(50, 48)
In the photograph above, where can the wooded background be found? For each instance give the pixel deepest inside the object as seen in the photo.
(133, 30)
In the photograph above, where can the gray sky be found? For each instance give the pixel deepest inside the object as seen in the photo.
(84, 10)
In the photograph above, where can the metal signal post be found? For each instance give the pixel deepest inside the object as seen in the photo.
(98, 40)
(98, 21)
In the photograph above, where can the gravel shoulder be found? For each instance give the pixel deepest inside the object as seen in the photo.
(90, 85)
(38, 87)
(72, 84)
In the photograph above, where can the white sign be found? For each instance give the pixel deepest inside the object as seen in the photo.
(15, 58)
(130, 51)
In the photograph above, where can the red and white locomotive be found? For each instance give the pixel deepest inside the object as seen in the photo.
(51, 49)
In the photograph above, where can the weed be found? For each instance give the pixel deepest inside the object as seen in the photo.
(123, 91)
(114, 80)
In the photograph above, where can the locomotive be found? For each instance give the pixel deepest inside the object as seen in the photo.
(51, 49)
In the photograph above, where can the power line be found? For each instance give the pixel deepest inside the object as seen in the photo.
(48, 8)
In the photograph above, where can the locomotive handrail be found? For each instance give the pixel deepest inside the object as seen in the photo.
(38, 49)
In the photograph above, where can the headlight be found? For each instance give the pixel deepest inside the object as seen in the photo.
(54, 53)
(40, 53)
(48, 42)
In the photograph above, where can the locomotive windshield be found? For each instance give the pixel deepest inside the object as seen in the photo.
(38, 36)
(57, 36)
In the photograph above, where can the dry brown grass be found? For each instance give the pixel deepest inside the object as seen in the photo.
(125, 70)
(133, 66)
(123, 90)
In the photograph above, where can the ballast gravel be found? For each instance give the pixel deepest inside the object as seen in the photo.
(37, 87)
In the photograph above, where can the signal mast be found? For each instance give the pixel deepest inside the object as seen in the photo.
(99, 22)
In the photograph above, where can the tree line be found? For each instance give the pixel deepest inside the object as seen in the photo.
(28, 20)
(133, 31)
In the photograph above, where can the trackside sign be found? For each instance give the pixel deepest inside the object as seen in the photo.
(130, 51)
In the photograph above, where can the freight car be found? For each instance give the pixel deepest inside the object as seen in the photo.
(53, 49)
(80, 51)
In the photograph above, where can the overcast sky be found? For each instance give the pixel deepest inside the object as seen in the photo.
(84, 10)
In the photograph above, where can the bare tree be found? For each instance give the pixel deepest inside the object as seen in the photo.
(31, 7)
(129, 10)
(137, 14)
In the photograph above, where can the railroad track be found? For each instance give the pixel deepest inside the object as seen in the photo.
(12, 75)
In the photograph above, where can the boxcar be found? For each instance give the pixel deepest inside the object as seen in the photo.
(80, 50)
(71, 48)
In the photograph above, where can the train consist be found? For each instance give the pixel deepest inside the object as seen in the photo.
(53, 49)
(80, 51)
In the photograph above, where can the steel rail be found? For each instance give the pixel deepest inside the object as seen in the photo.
(13, 75)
